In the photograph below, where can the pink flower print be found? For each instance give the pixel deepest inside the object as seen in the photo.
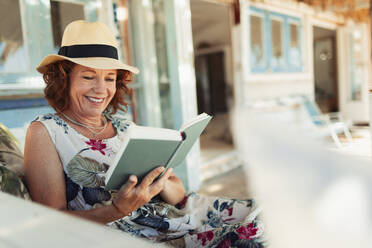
(204, 236)
(226, 243)
(247, 232)
(97, 145)
(230, 210)
(182, 203)
(229, 213)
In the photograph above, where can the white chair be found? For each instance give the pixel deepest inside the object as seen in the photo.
(331, 123)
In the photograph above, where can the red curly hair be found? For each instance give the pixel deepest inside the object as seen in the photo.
(57, 79)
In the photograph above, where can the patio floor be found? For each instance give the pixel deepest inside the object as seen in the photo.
(234, 184)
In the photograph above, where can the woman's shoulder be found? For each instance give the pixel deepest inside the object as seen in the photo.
(41, 130)
(120, 122)
(46, 117)
(51, 120)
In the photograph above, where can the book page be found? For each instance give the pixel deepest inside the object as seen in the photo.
(194, 120)
(154, 133)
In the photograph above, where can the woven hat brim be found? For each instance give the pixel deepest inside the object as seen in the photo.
(92, 62)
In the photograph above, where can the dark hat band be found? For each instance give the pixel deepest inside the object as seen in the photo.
(92, 50)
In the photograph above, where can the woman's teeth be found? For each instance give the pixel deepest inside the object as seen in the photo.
(96, 100)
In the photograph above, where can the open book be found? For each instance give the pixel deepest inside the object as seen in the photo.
(145, 148)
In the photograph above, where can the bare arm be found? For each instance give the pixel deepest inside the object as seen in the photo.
(43, 169)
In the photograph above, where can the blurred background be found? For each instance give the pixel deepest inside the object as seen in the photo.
(304, 63)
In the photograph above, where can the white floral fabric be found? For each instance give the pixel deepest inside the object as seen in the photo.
(197, 221)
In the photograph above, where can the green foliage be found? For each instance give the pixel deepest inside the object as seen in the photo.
(10, 183)
(86, 172)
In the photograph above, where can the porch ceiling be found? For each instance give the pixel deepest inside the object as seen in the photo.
(358, 10)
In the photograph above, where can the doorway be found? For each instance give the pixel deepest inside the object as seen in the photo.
(211, 82)
(325, 69)
(211, 30)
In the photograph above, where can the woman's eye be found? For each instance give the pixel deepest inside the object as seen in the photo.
(110, 79)
(87, 78)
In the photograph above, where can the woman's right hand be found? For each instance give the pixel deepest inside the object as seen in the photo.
(131, 197)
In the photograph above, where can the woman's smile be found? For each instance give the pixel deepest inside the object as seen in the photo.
(95, 99)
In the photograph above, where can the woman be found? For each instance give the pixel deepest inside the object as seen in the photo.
(67, 154)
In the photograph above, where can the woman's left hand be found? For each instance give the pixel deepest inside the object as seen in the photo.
(173, 191)
(132, 196)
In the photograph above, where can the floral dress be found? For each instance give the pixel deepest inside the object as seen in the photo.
(197, 221)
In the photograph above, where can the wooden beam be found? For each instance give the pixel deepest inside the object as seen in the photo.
(236, 12)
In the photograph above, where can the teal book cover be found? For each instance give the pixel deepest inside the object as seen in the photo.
(145, 148)
(191, 134)
(139, 158)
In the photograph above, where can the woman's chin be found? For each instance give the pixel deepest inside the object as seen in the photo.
(94, 112)
(96, 109)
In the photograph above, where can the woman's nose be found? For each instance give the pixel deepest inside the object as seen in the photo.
(100, 84)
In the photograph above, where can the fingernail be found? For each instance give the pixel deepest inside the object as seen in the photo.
(162, 168)
(132, 178)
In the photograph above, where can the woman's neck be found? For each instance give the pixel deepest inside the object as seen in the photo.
(85, 120)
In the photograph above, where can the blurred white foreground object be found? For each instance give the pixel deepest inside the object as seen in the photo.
(27, 224)
(311, 197)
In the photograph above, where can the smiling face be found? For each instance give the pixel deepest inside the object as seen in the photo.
(91, 90)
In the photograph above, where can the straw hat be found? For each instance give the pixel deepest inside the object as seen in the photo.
(88, 44)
